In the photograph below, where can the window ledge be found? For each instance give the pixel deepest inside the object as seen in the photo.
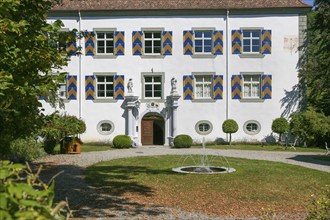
(204, 56)
(152, 56)
(105, 100)
(204, 100)
(257, 55)
(99, 56)
(251, 100)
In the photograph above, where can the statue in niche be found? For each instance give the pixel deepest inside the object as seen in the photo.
(130, 86)
(173, 85)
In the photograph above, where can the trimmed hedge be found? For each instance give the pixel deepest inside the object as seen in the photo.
(122, 141)
(183, 141)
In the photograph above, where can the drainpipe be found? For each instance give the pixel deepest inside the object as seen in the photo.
(227, 64)
(80, 75)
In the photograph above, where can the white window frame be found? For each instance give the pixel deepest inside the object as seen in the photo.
(152, 39)
(105, 83)
(144, 83)
(251, 82)
(99, 127)
(203, 83)
(203, 132)
(203, 38)
(251, 38)
(104, 40)
(59, 91)
(253, 132)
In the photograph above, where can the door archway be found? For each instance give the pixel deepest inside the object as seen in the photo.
(152, 129)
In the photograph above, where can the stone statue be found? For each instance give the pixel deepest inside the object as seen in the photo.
(173, 85)
(130, 86)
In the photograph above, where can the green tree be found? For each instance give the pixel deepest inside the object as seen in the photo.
(314, 71)
(229, 126)
(280, 126)
(27, 59)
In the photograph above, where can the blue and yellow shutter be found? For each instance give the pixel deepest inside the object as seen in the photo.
(119, 84)
(266, 87)
(137, 41)
(71, 48)
(217, 43)
(188, 87)
(217, 87)
(266, 42)
(236, 87)
(89, 43)
(236, 41)
(71, 83)
(188, 42)
(167, 43)
(119, 43)
(90, 87)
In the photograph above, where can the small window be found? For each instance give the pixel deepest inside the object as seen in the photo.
(203, 127)
(152, 86)
(105, 127)
(152, 42)
(203, 41)
(104, 43)
(251, 41)
(62, 90)
(251, 86)
(203, 84)
(104, 86)
(252, 127)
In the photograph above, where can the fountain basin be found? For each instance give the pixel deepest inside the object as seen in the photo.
(203, 170)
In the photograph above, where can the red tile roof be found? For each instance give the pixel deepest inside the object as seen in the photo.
(176, 4)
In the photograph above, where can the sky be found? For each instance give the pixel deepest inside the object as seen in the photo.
(309, 2)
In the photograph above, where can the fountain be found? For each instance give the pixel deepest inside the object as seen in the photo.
(203, 165)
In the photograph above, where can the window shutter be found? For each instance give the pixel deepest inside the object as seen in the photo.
(71, 48)
(236, 87)
(188, 87)
(266, 42)
(167, 43)
(188, 42)
(217, 42)
(217, 87)
(119, 43)
(236, 41)
(71, 85)
(90, 87)
(119, 87)
(89, 43)
(266, 86)
(137, 39)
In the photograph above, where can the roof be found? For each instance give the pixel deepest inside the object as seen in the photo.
(117, 5)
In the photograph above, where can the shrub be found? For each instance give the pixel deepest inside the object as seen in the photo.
(27, 149)
(229, 126)
(312, 127)
(24, 196)
(280, 126)
(320, 207)
(183, 141)
(122, 141)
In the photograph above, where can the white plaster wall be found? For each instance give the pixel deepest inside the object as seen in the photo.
(280, 64)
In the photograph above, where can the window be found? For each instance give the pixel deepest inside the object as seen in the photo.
(62, 90)
(104, 86)
(252, 127)
(203, 41)
(203, 127)
(251, 41)
(251, 86)
(152, 86)
(105, 127)
(152, 42)
(104, 42)
(203, 86)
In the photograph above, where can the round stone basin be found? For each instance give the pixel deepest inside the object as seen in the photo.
(203, 170)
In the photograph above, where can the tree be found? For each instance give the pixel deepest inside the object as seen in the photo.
(280, 126)
(27, 59)
(229, 126)
(314, 71)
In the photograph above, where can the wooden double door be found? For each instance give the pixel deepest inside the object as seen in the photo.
(152, 130)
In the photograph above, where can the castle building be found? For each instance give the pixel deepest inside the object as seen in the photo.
(155, 69)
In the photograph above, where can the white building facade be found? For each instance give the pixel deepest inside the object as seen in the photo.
(156, 73)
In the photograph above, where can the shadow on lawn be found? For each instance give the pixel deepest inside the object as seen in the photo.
(102, 199)
(310, 159)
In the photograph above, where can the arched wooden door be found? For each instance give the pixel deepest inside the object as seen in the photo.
(152, 129)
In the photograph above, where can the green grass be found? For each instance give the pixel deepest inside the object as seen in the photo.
(263, 148)
(88, 148)
(255, 185)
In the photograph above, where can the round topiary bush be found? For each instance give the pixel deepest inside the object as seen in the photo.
(183, 141)
(122, 141)
(279, 126)
(229, 126)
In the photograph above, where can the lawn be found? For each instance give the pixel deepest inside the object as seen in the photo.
(256, 186)
(88, 148)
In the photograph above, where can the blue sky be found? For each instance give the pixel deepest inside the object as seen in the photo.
(309, 2)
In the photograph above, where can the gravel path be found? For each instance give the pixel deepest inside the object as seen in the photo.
(89, 203)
